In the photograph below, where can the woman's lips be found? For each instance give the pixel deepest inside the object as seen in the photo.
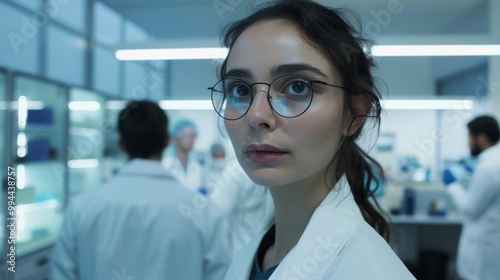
(264, 153)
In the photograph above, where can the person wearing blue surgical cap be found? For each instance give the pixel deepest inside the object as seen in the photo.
(186, 169)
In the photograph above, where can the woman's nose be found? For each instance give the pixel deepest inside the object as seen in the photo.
(260, 114)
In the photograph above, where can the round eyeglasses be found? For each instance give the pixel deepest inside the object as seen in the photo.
(289, 96)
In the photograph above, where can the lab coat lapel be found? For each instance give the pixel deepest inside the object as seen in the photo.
(246, 258)
(331, 225)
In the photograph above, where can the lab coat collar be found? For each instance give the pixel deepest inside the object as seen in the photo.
(330, 227)
(145, 167)
(490, 151)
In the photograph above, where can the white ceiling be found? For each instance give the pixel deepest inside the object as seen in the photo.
(181, 19)
(195, 18)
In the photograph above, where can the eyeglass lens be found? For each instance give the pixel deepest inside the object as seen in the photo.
(289, 96)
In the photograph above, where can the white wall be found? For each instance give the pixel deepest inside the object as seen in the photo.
(454, 134)
(433, 137)
(191, 78)
(413, 131)
(494, 62)
(405, 77)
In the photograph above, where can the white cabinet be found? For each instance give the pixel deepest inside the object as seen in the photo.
(35, 266)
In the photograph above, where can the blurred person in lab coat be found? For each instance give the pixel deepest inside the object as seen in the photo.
(219, 160)
(296, 90)
(215, 167)
(245, 205)
(185, 168)
(134, 226)
(479, 247)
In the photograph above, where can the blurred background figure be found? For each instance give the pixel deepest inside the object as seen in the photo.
(218, 153)
(133, 226)
(183, 165)
(217, 164)
(460, 171)
(479, 246)
(245, 205)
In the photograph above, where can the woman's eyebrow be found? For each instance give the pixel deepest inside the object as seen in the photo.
(293, 68)
(239, 73)
(279, 70)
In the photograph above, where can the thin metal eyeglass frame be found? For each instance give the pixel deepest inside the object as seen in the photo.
(212, 89)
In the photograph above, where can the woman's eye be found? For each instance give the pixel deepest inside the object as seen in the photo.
(239, 90)
(298, 88)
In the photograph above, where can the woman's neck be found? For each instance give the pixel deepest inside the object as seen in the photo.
(294, 205)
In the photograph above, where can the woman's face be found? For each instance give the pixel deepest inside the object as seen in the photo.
(273, 150)
(185, 139)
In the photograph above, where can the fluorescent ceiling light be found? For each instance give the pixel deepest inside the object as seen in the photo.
(168, 104)
(115, 104)
(171, 54)
(36, 207)
(186, 105)
(21, 151)
(428, 104)
(83, 163)
(435, 50)
(21, 139)
(84, 105)
(21, 177)
(378, 50)
(23, 104)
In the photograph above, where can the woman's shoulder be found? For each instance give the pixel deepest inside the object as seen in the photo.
(366, 255)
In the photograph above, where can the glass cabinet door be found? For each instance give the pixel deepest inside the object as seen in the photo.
(115, 158)
(39, 141)
(86, 140)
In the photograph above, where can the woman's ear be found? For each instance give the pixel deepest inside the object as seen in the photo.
(358, 111)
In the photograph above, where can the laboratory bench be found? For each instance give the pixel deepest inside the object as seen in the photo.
(424, 242)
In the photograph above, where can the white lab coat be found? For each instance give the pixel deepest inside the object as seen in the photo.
(246, 205)
(336, 244)
(193, 177)
(141, 224)
(479, 246)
